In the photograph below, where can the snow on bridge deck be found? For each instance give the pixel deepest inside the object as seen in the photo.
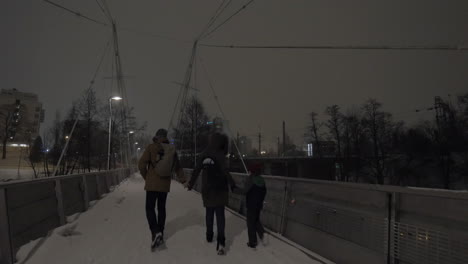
(115, 231)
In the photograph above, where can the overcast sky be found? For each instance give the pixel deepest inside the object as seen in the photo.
(48, 51)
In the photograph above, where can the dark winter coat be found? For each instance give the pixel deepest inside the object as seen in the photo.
(214, 192)
(153, 182)
(254, 190)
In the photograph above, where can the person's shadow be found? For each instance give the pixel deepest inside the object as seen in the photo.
(195, 218)
(233, 230)
(191, 218)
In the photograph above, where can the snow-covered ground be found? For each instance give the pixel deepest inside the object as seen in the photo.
(14, 174)
(115, 231)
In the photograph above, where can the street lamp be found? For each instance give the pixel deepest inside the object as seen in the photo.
(115, 98)
(130, 149)
(138, 153)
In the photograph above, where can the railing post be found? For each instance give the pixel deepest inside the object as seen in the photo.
(393, 217)
(6, 252)
(85, 193)
(60, 208)
(283, 221)
(107, 181)
(98, 186)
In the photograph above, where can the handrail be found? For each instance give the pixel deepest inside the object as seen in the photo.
(4, 185)
(451, 194)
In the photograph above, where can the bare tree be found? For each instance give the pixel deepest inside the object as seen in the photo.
(192, 132)
(334, 125)
(314, 127)
(379, 127)
(88, 108)
(35, 154)
(353, 137)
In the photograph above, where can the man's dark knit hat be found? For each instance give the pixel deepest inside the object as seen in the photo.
(161, 133)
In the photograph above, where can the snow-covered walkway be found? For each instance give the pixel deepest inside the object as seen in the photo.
(115, 231)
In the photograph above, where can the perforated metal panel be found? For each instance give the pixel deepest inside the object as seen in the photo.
(415, 244)
(359, 214)
(353, 226)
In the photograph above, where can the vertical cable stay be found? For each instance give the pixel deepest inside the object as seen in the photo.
(75, 13)
(88, 90)
(229, 18)
(212, 17)
(217, 13)
(104, 54)
(222, 113)
(107, 9)
(101, 6)
(184, 89)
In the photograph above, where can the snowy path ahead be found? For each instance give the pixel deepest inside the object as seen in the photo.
(115, 231)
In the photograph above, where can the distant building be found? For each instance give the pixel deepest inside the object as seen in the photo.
(221, 125)
(245, 145)
(32, 111)
(327, 148)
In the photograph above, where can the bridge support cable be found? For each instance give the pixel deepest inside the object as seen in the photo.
(227, 20)
(88, 90)
(222, 113)
(217, 13)
(106, 11)
(344, 47)
(122, 90)
(181, 98)
(76, 13)
(186, 88)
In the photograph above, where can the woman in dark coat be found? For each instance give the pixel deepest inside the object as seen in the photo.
(216, 180)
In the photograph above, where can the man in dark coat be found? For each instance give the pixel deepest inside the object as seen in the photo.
(157, 186)
(216, 180)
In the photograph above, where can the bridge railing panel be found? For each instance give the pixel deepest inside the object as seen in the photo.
(92, 186)
(73, 193)
(364, 223)
(31, 209)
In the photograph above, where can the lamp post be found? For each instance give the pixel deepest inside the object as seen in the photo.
(130, 149)
(116, 98)
(138, 153)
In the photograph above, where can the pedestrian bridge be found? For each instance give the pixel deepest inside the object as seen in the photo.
(100, 218)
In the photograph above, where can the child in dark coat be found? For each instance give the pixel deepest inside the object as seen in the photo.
(255, 192)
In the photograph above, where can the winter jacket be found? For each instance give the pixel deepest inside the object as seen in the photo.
(254, 190)
(215, 192)
(153, 182)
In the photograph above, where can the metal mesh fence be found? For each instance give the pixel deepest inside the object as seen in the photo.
(416, 244)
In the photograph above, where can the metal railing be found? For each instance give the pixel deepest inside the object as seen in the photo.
(362, 223)
(30, 209)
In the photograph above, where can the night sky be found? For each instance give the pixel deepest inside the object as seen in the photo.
(48, 51)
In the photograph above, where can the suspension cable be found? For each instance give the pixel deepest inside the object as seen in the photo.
(345, 47)
(88, 90)
(229, 18)
(103, 9)
(76, 13)
(217, 13)
(222, 113)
